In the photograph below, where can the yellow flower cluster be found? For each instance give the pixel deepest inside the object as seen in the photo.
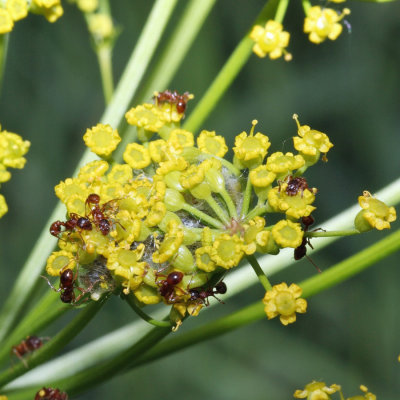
(12, 151)
(319, 391)
(14, 10)
(320, 23)
(176, 215)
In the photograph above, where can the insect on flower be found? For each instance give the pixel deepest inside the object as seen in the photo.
(68, 285)
(173, 98)
(98, 214)
(73, 224)
(201, 295)
(167, 287)
(296, 184)
(28, 345)
(50, 394)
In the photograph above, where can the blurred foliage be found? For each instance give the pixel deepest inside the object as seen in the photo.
(348, 88)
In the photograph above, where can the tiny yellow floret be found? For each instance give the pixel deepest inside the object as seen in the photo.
(284, 301)
(287, 234)
(210, 143)
(137, 156)
(374, 214)
(6, 21)
(87, 6)
(18, 9)
(367, 395)
(3, 206)
(102, 139)
(317, 391)
(270, 40)
(101, 26)
(323, 23)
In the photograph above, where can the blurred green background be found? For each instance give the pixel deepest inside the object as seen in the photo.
(348, 88)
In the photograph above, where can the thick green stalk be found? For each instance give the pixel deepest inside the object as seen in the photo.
(104, 58)
(228, 72)
(3, 56)
(57, 343)
(137, 64)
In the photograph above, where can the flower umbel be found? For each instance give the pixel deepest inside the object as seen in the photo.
(316, 391)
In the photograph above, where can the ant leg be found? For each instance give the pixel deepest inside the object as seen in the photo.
(56, 290)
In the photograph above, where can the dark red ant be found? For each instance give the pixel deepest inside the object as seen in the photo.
(201, 295)
(68, 285)
(296, 184)
(28, 345)
(75, 221)
(301, 251)
(174, 98)
(97, 213)
(167, 286)
(50, 394)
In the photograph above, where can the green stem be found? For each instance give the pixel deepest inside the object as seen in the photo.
(50, 348)
(259, 210)
(281, 11)
(229, 203)
(345, 232)
(228, 72)
(338, 273)
(108, 369)
(178, 45)
(306, 6)
(222, 215)
(259, 272)
(104, 57)
(247, 198)
(132, 303)
(137, 64)
(203, 216)
(3, 55)
(46, 311)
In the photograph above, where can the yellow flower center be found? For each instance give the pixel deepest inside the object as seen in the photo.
(285, 303)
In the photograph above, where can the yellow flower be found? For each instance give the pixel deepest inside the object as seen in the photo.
(287, 234)
(180, 138)
(251, 149)
(192, 177)
(366, 396)
(270, 40)
(227, 251)
(137, 156)
(175, 164)
(93, 171)
(284, 301)
(51, 9)
(87, 6)
(121, 173)
(4, 174)
(283, 164)
(125, 266)
(70, 187)
(261, 176)
(58, 261)
(170, 245)
(203, 259)
(102, 139)
(316, 391)
(322, 23)
(310, 142)
(18, 9)
(13, 148)
(294, 206)
(375, 214)
(145, 116)
(147, 295)
(210, 143)
(6, 21)
(3, 206)
(101, 26)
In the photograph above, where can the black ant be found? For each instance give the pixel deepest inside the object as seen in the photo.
(167, 286)
(296, 184)
(174, 98)
(68, 285)
(201, 295)
(301, 251)
(28, 345)
(50, 394)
